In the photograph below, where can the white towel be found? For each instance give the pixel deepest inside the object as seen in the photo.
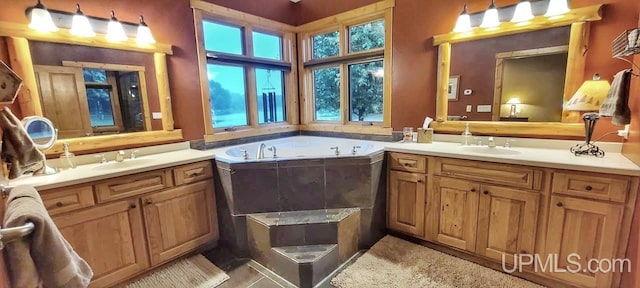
(616, 104)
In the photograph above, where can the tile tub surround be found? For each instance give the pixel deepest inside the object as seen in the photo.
(293, 185)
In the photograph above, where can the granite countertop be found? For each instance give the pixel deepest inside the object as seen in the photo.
(613, 162)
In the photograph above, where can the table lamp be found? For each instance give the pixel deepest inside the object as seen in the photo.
(589, 97)
(513, 101)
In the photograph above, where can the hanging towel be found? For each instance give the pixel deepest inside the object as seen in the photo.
(616, 104)
(44, 258)
(18, 149)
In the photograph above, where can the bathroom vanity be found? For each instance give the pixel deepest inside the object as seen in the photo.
(484, 207)
(126, 218)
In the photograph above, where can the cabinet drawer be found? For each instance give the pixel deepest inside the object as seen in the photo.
(67, 199)
(594, 186)
(127, 186)
(495, 173)
(192, 172)
(408, 162)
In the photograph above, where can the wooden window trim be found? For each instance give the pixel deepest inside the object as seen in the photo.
(341, 23)
(204, 11)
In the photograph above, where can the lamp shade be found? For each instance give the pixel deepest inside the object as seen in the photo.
(464, 21)
(80, 25)
(41, 20)
(513, 100)
(490, 18)
(115, 31)
(589, 96)
(522, 12)
(557, 7)
(144, 34)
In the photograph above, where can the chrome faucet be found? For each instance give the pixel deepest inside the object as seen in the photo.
(492, 142)
(337, 150)
(120, 156)
(260, 153)
(355, 149)
(134, 154)
(245, 155)
(272, 148)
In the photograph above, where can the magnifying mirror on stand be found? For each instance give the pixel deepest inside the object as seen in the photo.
(44, 135)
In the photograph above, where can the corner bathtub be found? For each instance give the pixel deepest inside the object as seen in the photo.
(306, 175)
(300, 147)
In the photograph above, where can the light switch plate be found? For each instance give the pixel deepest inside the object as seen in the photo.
(156, 115)
(483, 108)
(469, 108)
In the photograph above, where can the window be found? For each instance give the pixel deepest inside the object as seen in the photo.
(344, 69)
(246, 65)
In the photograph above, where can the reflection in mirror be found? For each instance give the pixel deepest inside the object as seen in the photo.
(89, 91)
(44, 136)
(525, 69)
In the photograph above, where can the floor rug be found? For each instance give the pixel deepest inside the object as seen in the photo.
(393, 262)
(192, 272)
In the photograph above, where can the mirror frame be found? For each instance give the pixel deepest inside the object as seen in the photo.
(18, 37)
(578, 19)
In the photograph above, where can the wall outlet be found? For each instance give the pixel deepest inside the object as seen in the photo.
(483, 108)
(156, 115)
(469, 108)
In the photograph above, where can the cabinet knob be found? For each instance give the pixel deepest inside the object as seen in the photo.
(420, 181)
(486, 192)
(59, 204)
(589, 188)
(559, 204)
(133, 206)
(524, 252)
(473, 189)
(148, 202)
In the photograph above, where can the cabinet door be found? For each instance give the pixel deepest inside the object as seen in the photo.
(580, 230)
(453, 212)
(62, 89)
(507, 220)
(110, 238)
(180, 219)
(406, 202)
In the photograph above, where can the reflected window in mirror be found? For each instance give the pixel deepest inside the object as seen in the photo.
(240, 79)
(529, 66)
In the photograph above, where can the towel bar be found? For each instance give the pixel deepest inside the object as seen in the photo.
(11, 234)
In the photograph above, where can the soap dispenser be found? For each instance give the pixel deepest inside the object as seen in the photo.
(466, 136)
(67, 159)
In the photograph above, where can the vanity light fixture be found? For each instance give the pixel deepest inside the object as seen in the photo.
(557, 8)
(144, 34)
(80, 25)
(523, 12)
(115, 32)
(490, 18)
(463, 24)
(41, 19)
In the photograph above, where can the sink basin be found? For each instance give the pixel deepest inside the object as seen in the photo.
(490, 151)
(127, 163)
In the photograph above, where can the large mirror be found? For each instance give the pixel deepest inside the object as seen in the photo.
(514, 80)
(98, 94)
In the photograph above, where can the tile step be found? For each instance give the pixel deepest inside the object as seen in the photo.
(305, 266)
(303, 217)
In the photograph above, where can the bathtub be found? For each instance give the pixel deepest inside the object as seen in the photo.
(300, 147)
(306, 175)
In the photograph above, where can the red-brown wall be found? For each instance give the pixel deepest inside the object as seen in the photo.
(414, 56)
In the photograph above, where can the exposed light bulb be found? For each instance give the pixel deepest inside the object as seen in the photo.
(522, 12)
(144, 36)
(115, 32)
(41, 19)
(463, 24)
(490, 18)
(80, 25)
(557, 7)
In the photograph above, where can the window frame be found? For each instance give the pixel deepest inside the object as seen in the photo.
(307, 64)
(248, 23)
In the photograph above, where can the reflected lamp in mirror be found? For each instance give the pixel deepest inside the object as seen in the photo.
(512, 111)
(589, 96)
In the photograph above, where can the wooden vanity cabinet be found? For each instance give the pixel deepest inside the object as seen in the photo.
(407, 192)
(127, 225)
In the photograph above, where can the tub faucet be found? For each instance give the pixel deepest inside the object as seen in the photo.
(272, 148)
(260, 153)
